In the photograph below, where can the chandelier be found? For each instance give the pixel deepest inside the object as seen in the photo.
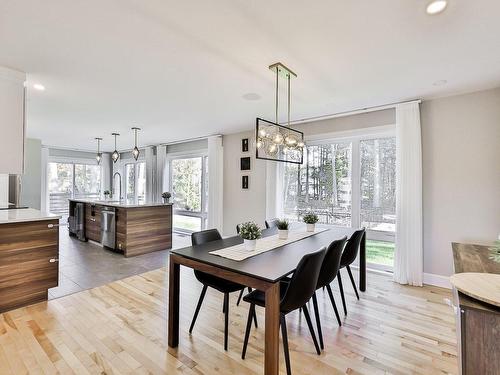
(274, 141)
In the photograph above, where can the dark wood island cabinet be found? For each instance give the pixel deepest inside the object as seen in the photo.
(139, 228)
(29, 258)
(478, 323)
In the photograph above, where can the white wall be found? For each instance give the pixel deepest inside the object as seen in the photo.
(461, 174)
(242, 205)
(31, 180)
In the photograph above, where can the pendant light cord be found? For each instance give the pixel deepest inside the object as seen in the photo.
(277, 92)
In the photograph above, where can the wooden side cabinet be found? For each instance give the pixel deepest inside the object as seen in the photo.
(29, 262)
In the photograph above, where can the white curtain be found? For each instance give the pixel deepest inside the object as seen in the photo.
(215, 183)
(161, 171)
(408, 257)
(274, 189)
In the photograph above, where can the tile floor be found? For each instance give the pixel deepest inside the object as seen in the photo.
(85, 265)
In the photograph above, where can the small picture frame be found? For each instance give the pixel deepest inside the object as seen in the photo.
(244, 182)
(245, 163)
(244, 145)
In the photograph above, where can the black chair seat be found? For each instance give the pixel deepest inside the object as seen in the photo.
(258, 297)
(222, 285)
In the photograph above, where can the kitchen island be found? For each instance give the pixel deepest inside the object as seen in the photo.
(29, 256)
(128, 227)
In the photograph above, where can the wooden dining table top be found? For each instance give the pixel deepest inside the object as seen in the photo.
(270, 266)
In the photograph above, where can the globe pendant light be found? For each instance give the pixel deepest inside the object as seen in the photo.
(115, 155)
(135, 151)
(98, 156)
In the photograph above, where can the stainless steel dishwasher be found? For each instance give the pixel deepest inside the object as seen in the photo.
(108, 227)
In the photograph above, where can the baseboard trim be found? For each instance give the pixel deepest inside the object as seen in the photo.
(437, 280)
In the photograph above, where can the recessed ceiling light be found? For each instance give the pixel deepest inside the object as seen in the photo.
(251, 96)
(441, 82)
(39, 87)
(436, 7)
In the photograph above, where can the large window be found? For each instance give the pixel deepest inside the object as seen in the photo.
(71, 180)
(348, 183)
(135, 182)
(189, 189)
(322, 183)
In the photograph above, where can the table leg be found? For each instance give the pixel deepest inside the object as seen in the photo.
(271, 353)
(173, 303)
(362, 264)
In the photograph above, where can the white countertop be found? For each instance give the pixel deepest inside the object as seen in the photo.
(25, 214)
(123, 203)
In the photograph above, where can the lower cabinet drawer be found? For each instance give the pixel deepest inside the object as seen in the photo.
(29, 262)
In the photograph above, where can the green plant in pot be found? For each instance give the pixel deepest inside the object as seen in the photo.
(282, 225)
(166, 196)
(250, 232)
(107, 194)
(310, 219)
(495, 251)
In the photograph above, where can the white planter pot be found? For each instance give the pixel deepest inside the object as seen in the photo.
(283, 234)
(250, 245)
(310, 227)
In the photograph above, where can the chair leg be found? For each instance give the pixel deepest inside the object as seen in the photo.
(339, 278)
(318, 323)
(332, 300)
(251, 312)
(285, 344)
(226, 318)
(240, 297)
(198, 306)
(352, 281)
(255, 318)
(309, 324)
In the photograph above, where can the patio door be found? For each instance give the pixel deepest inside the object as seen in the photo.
(188, 181)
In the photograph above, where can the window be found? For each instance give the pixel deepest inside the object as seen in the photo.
(350, 183)
(189, 191)
(135, 182)
(322, 183)
(70, 180)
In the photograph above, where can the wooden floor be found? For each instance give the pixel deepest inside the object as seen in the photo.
(120, 328)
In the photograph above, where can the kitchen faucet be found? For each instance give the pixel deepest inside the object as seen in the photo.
(120, 185)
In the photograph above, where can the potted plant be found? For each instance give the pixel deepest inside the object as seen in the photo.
(107, 194)
(282, 225)
(166, 196)
(310, 219)
(250, 232)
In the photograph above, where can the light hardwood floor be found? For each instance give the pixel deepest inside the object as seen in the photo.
(120, 328)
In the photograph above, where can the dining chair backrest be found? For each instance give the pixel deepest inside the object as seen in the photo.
(204, 236)
(271, 223)
(331, 262)
(303, 282)
(352, 247)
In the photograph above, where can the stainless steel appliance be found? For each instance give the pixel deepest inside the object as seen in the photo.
(76, 221)
(108, 227)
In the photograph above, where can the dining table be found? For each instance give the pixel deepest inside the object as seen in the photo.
(263, 272)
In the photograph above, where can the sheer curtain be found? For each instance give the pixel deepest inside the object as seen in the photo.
(215, 183)
(408, 257)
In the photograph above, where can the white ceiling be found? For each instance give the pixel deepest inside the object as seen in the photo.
(180, 69)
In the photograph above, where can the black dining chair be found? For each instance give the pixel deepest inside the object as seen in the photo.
(348, 257)
(271, 223)
(208, 280)
(328, 272)
(293, 295)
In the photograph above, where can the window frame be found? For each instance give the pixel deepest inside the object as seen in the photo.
(72, 162)
(355, 137)
(203, 214)
(123, 171)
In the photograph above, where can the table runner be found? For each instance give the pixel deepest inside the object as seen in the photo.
(239, 253)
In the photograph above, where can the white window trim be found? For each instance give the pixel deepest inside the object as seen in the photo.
(203, 153)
